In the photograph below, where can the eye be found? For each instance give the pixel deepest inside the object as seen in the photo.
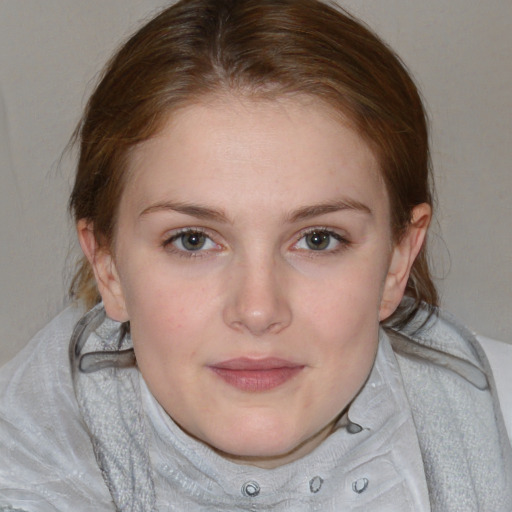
(321, 240)
(318, 240)
(192, 241)
(189, 241)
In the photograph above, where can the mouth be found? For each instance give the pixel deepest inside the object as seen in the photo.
(256, 374)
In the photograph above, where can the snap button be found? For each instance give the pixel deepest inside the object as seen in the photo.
(354, 428)
(360, 485)
(315, 484)
(251, 489)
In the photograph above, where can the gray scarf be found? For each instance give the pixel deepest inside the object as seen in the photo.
(465, 449)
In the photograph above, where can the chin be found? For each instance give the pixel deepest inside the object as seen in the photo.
(265, 447)
(261, 455)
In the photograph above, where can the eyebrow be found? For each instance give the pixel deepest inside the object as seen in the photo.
(308, 212)
(193, 210)
(303, 213)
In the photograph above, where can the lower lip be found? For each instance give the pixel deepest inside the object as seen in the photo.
(257, 380)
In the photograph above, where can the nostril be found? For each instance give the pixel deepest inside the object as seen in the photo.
(256, 304)
(257, 326)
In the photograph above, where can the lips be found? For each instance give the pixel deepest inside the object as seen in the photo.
(256, 374)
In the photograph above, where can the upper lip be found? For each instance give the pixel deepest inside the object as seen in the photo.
(247, 363)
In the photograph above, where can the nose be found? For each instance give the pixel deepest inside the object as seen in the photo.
(257, 301)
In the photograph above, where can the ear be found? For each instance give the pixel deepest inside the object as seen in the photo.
(403, 256)
(105, 272)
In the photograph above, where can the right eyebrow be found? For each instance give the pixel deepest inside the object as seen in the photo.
(315, 210)
(193, 210)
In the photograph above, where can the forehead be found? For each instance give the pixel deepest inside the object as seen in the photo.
(237, 151)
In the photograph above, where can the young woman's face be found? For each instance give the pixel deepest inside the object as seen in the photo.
(251, 257)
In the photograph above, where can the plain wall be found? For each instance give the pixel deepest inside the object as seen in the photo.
(459, 52)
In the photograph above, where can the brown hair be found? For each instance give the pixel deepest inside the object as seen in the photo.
(262, 48)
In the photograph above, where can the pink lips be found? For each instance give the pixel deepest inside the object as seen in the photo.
(256, 374)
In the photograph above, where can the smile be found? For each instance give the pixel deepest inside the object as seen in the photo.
(256, 374)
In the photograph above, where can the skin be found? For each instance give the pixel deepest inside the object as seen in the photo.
(252, 179)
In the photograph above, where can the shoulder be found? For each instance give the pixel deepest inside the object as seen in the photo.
(46, 453)
(38, 376)
(499, 355)
(452, 348)
(453, 399)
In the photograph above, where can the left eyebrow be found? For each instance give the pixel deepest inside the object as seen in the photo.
(315, 210)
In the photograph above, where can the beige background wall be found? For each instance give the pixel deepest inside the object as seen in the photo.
(459, 51)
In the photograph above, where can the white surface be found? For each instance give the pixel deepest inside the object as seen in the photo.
(51, 51)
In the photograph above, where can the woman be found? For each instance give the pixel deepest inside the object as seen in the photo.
(252, 199)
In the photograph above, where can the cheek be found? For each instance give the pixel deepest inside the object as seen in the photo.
(343, 315)
(157, 291)
(347, 295)
(167, 329)
(168, 313)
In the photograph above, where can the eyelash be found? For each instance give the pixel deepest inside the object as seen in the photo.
(342, 242)
(167, 244)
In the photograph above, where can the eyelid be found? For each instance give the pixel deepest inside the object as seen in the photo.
(322, 229)
(170, 238)
(176, 233)
(343, 240)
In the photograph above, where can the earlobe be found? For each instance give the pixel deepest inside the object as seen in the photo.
(105, 271)
(402, 258)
